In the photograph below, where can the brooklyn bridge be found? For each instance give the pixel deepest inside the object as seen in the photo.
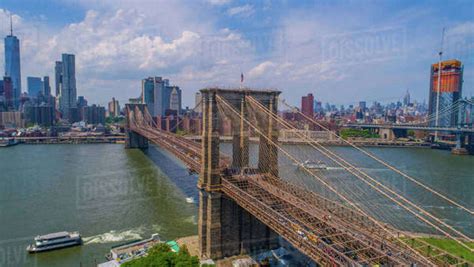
(247, 203)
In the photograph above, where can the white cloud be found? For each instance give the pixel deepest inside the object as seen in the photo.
(241, 11)
(218, 2)
(261, 69)
(466, 28)
(114, 50)
(117, 43)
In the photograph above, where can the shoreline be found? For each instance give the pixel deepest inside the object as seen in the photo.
(360, 143)
(111, 139)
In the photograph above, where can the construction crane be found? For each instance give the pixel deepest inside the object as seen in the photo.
(439, 85)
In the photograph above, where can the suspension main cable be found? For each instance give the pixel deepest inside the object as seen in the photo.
(327, 151)
(384, 163)
(321, 180)
(445, 111)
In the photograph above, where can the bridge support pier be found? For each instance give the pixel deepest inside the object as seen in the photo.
(459, 149)
(134, 140)
(226, 229)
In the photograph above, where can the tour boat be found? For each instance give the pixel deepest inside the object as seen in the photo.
(4, 142)
(55, 241)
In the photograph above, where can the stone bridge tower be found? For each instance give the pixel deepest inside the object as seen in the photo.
(226, 229)
(134, 140)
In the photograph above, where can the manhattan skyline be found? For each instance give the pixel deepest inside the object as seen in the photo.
(375, 55)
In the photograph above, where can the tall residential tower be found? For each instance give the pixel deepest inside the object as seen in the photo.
(66, 83)
(307, 107)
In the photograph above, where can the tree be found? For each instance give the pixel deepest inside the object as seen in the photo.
(162, 256)
(348, 132)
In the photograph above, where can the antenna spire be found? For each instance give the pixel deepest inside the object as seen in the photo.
(11, 25)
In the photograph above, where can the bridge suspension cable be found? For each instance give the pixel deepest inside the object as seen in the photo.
(455, 203)
(446, 111)
(223, 102)
(358, 172)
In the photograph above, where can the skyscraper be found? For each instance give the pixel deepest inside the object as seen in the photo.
(58, 75)
(148, 93)
(406, 99)
(450, 91)
(114, 108)
(93, 114)
(35, 86)
(81, 102)
(8, 92)
(46, 86)
(160, 96)
(68, 93)
(174, 98)
(307, 105)
(12, 65)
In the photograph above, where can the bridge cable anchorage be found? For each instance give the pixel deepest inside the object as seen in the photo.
(355, 206)
(350, 169)
(383, 162)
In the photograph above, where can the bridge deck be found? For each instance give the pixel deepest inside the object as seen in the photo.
(326, 231)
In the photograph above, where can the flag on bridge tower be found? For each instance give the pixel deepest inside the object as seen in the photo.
(241, 79)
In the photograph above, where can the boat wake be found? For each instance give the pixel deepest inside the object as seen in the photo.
(362, 169)
(113, 236)
(191, 219)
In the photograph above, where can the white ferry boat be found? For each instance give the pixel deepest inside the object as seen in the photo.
(4, 142)
(55, 241)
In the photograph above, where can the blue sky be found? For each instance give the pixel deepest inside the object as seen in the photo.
(341, 51)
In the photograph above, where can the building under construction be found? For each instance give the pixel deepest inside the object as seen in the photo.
(450, 91)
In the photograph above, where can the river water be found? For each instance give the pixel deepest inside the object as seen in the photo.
(109, 194)
(112, 195)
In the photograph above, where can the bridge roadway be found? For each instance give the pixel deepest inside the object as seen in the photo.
(411, 127)
(326, 231)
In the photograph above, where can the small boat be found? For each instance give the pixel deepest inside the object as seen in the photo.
(311, 165)
(4, 142)
(190, 200)
(55, 241)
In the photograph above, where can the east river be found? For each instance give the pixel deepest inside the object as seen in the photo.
(112, 195)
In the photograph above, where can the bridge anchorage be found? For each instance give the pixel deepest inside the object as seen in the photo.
(247, 201)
